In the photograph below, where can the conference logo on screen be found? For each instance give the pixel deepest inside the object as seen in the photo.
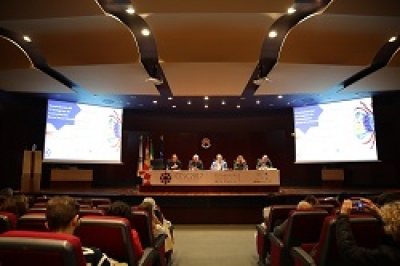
(364, 125)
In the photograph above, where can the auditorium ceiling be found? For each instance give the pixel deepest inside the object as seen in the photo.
(241, 54)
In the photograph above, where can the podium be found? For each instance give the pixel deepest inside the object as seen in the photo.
(31, 171)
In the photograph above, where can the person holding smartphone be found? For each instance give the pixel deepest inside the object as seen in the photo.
(387, 252)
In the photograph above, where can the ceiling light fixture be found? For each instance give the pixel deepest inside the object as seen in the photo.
(205, 106)
(130, 10)
(155, 81)
(258, 102)
(189, 102)
(280, 96)
(392, 39)
(145, 32)
(291, 10)
(238, 106)
(206, 98)
(260, 80)
(173, 106)
(272, 34)
(223, 102)
(169, 98)
(155, 102)
(27, 38)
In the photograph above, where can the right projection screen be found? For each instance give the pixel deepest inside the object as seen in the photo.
(335, 132)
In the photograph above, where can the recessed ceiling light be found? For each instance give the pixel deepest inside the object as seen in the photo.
(206, 98)
(27, 38)
(291, 10)
(392, 39)
(272, 34)
(173, 106)
(280, 96)
(128, 103)
(223, 102)
(237, 106)
(133, 96)
(140, 104)
(145, 32)
(288, 103)
(130, 10)
(155, 102)
(169, 98)
(242, 98)
(258, 102)
(205, 106)
(189, 102)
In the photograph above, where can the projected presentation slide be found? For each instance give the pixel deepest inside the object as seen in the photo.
(81, 133)
(335, 132)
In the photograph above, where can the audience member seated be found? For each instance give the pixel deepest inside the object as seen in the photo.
(240, 163)
(160, 224)
(387, 253)
(219, 163)
(17, 204)
(121, 209)
(174, 163)
(279, 230)
(264, 163)
(195, 163)
(62, 216)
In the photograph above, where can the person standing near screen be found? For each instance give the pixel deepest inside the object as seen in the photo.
(264, 163)
(219, 164)
(195, 163)
(174, 163)
(240, 163)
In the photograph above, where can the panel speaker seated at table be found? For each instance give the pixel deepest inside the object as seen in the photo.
(157, 164)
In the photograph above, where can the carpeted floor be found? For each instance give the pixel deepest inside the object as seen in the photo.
(214, 245)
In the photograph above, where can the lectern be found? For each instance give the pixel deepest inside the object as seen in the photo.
(31, 171)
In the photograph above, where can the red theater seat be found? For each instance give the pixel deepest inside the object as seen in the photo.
(112, 235)
(142, 223)
(8, 221)
(32, 222)
(302, 227)
(277, 213)
(324, 252)
(21, 248)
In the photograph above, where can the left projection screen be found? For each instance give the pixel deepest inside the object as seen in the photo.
(81, 133)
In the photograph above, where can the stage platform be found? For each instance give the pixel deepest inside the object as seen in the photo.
(211, 207)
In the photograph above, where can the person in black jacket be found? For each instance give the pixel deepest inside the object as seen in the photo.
(387, 252)
(174, 163)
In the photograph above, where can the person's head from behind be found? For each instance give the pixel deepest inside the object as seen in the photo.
(6, 192)
(390, 214)
(311, 199)
(342, 196)
(304, 206)
(16, 204)
(62, 215)
(120, 209)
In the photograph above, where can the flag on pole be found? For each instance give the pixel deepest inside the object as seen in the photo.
(151, 150)
(146, 164)
(140, 158)
(161, 147)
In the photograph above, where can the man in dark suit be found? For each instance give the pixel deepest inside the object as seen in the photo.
(174, 163)
(195, 163)
(264, 163)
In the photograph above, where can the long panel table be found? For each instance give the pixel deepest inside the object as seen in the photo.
(211, 181)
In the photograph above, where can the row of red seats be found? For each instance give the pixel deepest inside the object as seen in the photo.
(90, 236)
(310, 237)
